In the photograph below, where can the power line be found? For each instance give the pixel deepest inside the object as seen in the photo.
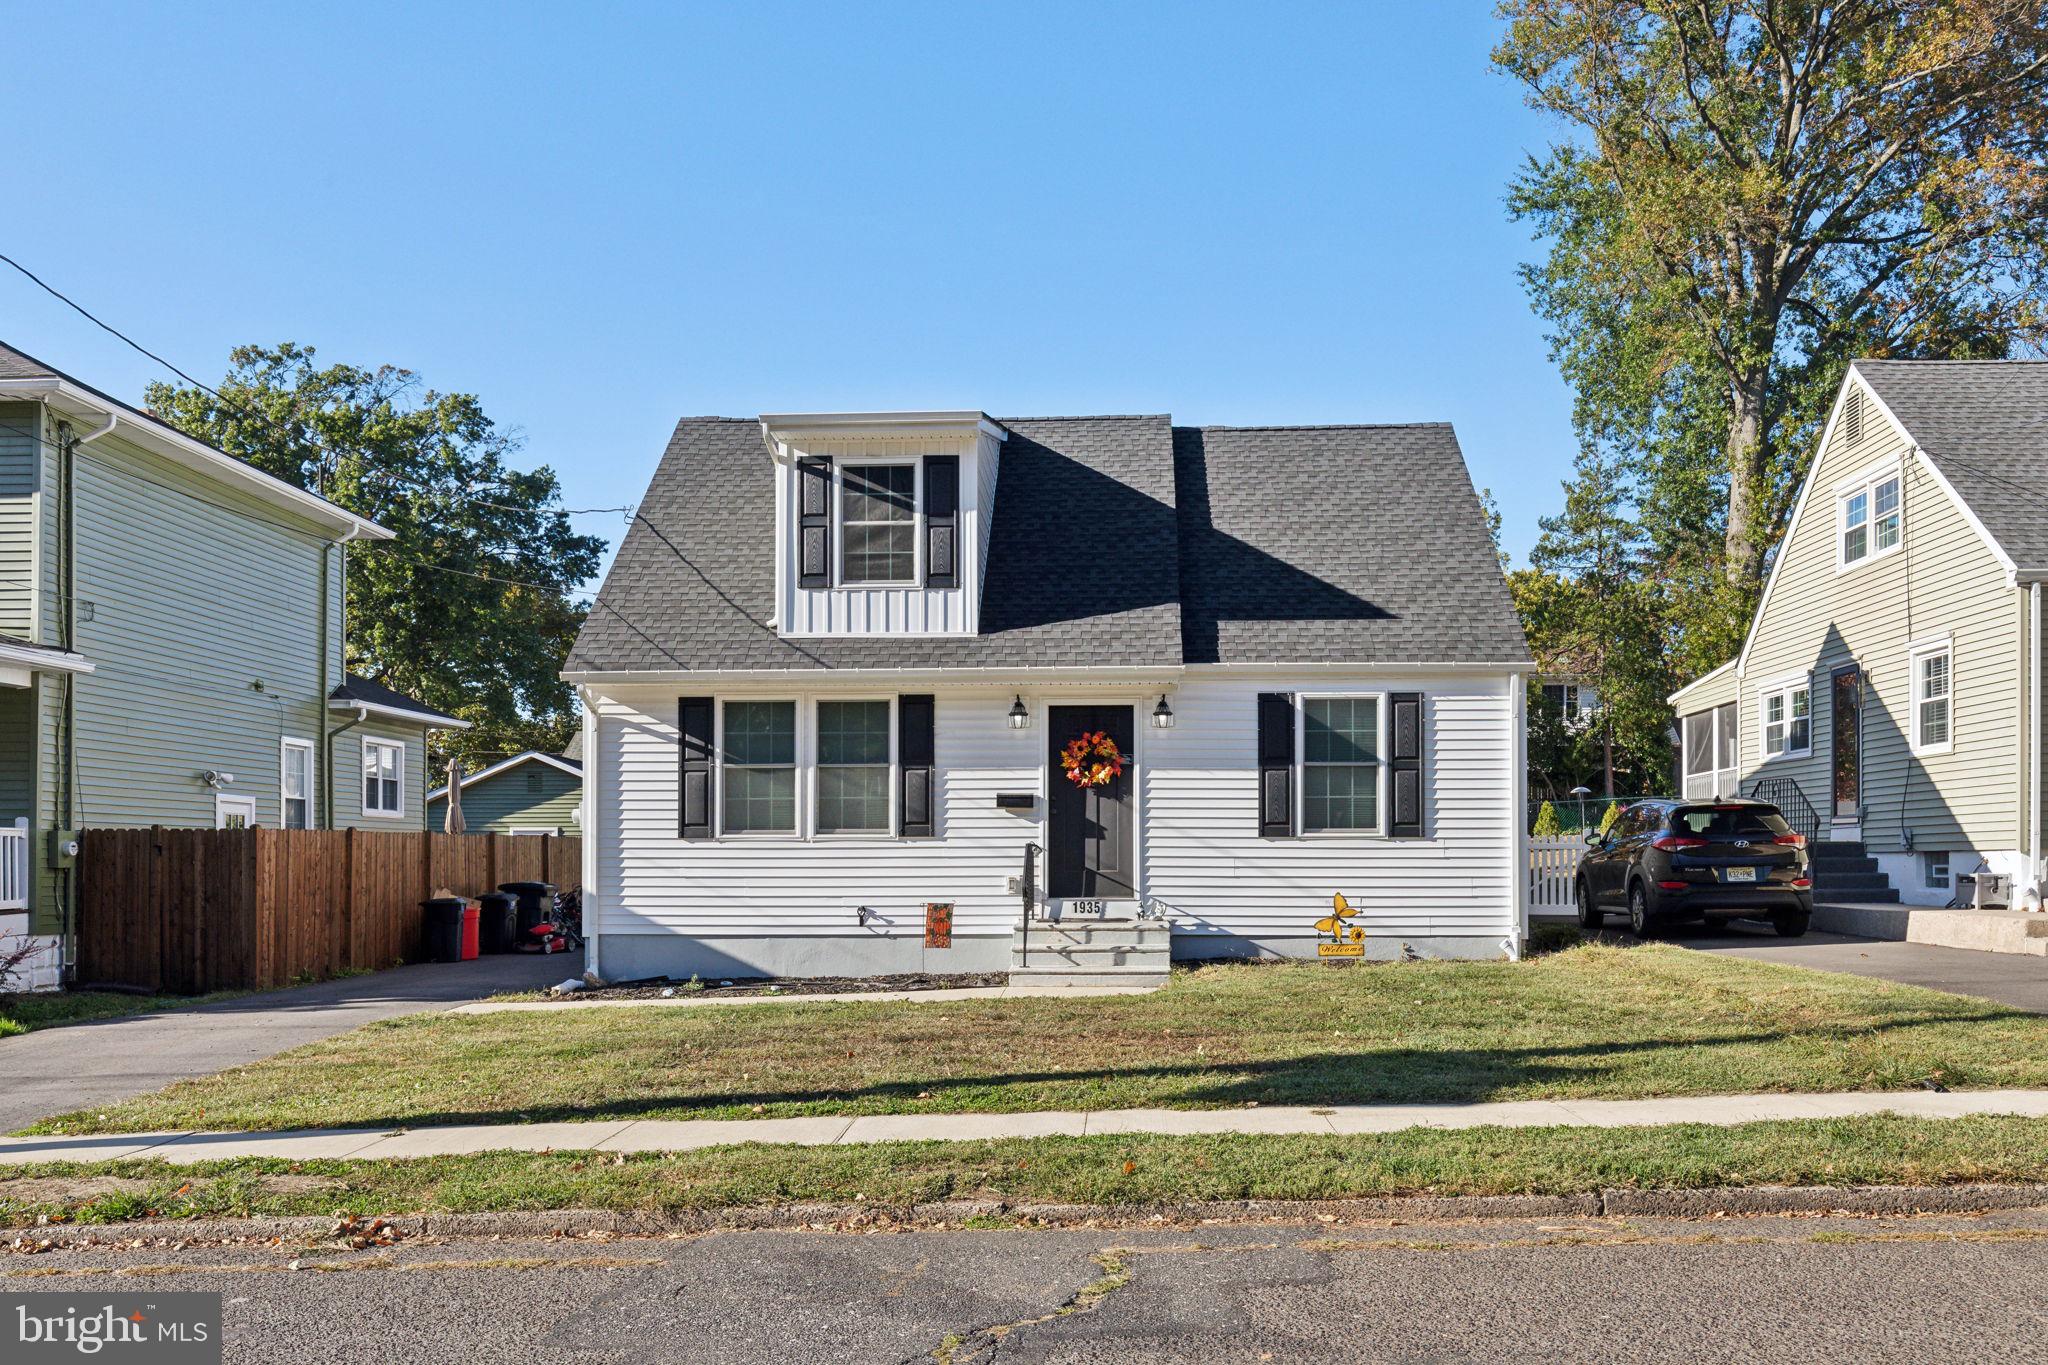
(265, 418)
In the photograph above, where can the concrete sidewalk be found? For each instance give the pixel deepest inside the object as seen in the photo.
(56, 1070)
(664, 1135)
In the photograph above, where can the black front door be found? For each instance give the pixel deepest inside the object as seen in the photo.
(1845, 703)
(1089, 849)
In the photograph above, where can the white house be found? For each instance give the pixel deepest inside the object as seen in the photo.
(830, 679)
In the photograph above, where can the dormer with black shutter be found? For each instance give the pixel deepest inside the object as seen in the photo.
(881, 521)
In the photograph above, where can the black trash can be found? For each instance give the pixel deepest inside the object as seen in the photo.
(444, 927)
(499, 932)
(535, 900)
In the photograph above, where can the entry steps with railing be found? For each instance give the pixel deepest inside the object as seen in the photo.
(1091, 952)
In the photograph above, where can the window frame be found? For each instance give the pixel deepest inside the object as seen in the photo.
(1783, 690)
(286, 745)
(1380, 764)
(796, 764)
(1928, 862)
(362, 792)
(816, 765)
(1915, 658)
(1866, 485)
(840, 465)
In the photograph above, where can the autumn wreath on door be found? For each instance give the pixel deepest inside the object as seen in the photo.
(1092, 760)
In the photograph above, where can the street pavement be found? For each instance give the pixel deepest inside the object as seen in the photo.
(2011, 978)
(55, 1070)
(1639, 1290)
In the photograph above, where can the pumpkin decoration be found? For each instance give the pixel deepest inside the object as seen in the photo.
(1092, 760)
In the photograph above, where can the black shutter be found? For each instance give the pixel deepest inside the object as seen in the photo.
(941, 521)
(1276, 765)
(693, 794)
(917, 757)
(1405, 760)
(814, 523)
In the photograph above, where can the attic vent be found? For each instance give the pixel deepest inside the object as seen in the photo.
(1852, 417)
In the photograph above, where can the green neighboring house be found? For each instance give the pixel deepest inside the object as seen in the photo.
(528, 793)
(171, 649)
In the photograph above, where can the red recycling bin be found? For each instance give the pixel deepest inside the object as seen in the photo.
(472, 927)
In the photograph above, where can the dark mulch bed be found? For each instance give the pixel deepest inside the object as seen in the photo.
(711, 988)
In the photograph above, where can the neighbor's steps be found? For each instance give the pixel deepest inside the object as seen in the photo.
(1845, 872)
(1091, 953)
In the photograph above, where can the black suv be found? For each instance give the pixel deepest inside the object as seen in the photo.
(1665, 860)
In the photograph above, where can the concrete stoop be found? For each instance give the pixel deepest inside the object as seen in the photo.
(1986, 931)
(1127, 952)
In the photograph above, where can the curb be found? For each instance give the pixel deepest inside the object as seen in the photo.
(1704, 1203)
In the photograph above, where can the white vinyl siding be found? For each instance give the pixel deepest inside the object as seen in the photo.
(1201, 859)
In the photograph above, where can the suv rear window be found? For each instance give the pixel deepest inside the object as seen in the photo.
(1728, 822)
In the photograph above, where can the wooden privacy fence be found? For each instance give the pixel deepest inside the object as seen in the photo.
(192, 910)
(1553, 872)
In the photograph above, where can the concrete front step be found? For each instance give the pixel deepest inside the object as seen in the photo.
(1988, 931)
(1849, 885)
(1092, 956)
(1836, 848)
(1828, 867)
(1146, 977)
(1083, 932)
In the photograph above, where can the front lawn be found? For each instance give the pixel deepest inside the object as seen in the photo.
(1591, 1022)
(1091, 1170)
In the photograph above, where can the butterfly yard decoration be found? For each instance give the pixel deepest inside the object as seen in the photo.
(1346, 939)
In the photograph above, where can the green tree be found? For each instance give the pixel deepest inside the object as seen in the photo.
(470, 608)
(1755, 192)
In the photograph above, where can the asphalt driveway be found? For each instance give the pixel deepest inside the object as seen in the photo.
(55, 1070)
(2010, 978)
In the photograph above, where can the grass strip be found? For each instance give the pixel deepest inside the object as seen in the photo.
(1591, 1022)
(1108, 1169)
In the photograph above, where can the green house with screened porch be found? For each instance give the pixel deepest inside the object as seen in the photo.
(171, 650)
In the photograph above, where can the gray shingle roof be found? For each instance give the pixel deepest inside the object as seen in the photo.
(1984, 423)
(355, 688)
(1337, 545)
(15, 365)
(1212, 555)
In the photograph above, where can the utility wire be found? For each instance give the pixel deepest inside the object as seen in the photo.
(263, 417)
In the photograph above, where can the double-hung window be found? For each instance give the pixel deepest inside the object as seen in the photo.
(853, 767)
(1933, 699)
(1341, 750)
(1787, 720)
(877, 523)
(383, 778)
(295, 783)
(759, 761)
(1869, 519)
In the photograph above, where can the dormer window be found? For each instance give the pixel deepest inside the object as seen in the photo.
(877, 524)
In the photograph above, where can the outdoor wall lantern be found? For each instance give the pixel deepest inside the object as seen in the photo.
(1162, 714)
(1019, 717)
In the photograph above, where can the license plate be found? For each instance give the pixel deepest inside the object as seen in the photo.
(1738, 874)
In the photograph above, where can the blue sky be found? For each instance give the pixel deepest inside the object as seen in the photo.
(601, 221)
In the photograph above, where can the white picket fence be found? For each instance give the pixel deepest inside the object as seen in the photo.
(1553, 866)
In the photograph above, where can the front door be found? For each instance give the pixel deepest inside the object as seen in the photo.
(1845, 697)
(1090, 851)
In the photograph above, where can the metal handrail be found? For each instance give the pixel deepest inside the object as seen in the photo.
(1786, 794)
(1029, 887)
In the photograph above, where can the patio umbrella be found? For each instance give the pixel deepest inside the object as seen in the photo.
(451, 820)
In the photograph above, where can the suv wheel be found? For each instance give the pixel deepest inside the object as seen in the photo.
(1591, 916)
(1642, 920)
(1791, 923)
